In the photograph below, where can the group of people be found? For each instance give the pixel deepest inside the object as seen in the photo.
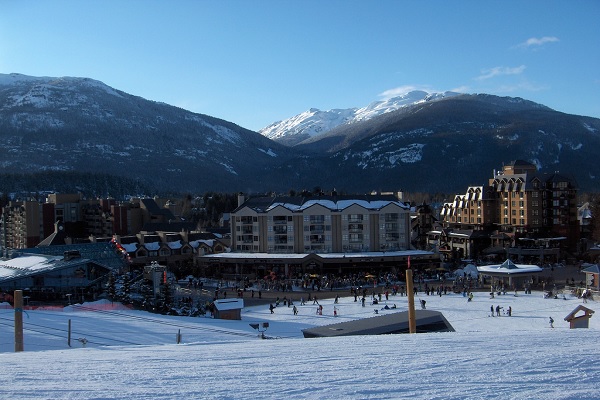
(499, 309)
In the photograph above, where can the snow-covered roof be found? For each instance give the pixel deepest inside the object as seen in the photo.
(365, 254)
(333, 203)
(175, 245)
(229, 304)
(196, 243)
(26, 265)
(509, 268)
(152, 246)
(129, 247)
(337, 205)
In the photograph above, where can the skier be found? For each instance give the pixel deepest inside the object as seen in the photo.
(551, 322)
(295, 310)
(271, 308)
(423, 304)
(492, 309)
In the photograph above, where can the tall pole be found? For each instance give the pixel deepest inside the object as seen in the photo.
(412, 322)
(18, 299)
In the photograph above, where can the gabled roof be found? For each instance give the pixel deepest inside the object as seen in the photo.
(57, 237)
(154, 209)
(572, 315)
(594, 269)
(333, 203)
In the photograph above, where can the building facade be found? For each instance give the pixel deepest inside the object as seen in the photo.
(518, 202)
(324, 224)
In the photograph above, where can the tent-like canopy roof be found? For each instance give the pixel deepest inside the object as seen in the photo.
(508, 268)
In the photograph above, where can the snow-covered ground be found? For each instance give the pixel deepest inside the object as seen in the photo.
(134, 355)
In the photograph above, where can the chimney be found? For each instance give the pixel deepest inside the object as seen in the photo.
(241, 199)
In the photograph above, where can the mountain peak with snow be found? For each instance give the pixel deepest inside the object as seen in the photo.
(315, 122)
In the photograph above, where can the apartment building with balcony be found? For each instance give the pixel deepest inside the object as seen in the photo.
(323, 224)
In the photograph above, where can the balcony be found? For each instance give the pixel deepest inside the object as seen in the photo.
(280, 229)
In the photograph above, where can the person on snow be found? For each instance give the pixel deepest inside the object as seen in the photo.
(295, 310)
(551, 322)
(272, 308)
(423, 304)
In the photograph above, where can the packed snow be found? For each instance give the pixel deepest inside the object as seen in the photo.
(121, 353)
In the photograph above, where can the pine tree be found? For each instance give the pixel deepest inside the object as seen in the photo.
(112, 290)
(126, 289)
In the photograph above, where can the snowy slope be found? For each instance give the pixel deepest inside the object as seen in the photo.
(133, 355)
(315, 122)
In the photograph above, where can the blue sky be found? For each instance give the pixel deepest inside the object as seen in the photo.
(257, 62)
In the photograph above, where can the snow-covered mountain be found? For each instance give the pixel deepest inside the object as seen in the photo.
(83, 125)
(314, 122)
(419, 142)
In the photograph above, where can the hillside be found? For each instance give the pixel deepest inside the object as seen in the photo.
(436, 144)
(78, 124)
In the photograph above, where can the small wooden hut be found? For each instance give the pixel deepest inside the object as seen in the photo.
(581, 320)
(228, 309)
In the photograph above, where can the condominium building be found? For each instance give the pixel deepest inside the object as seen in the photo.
(320, 224)
(518, 201)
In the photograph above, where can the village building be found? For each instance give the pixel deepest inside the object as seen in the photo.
(321, 234)
(530, 208)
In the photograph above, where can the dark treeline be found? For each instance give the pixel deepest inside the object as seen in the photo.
(21, 186)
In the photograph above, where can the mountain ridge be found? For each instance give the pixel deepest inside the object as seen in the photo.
(435, 145)
(310, 124)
